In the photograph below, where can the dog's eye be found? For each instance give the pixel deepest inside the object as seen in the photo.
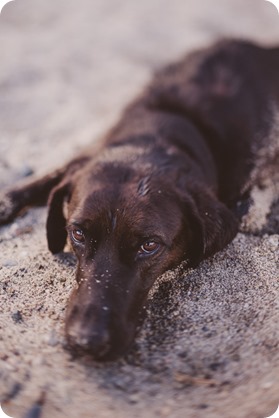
(78, 235)
(149, 247)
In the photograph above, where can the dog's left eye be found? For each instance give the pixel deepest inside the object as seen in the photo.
(78, 235)
(149, 247)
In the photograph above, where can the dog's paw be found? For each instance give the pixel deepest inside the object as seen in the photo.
(8, 208)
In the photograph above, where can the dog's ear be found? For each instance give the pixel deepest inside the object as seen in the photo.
(213, 225)
(56, 222)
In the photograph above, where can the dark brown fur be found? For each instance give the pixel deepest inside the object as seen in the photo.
(168, 174)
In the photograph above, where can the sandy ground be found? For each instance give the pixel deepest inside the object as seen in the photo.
(209, 346)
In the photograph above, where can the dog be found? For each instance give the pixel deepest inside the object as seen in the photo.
(162, 186)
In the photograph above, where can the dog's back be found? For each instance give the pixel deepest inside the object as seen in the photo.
(228, 93)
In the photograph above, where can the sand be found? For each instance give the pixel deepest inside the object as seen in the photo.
(209, 345)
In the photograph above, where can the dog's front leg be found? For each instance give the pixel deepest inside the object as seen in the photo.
(28, 193)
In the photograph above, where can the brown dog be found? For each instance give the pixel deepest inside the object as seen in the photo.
(160, 188)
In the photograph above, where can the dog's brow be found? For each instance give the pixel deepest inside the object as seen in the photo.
(80, 223)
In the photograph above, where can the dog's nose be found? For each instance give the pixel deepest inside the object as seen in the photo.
(97, 344)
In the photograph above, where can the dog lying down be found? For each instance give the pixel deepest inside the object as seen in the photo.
(161, 187)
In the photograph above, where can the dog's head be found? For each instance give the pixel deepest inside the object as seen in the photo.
(127, 227)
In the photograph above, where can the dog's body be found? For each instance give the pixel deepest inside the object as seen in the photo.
(160, 188)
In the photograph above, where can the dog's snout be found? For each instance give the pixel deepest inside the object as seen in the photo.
(96, 343)
(99, 324)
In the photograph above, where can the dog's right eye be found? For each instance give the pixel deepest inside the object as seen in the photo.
(78, 235)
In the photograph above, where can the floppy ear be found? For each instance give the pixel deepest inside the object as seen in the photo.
(214, 225)
(56, 222)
